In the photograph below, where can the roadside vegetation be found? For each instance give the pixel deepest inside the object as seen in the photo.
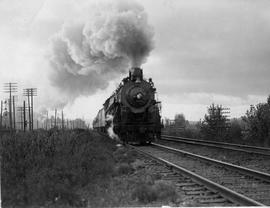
(253, 128)
(49, 168)
(74, 169)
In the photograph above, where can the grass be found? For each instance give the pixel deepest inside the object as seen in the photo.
(123, 155)
(75, 169)
(123, 169)
(150, 189)
(47, 168)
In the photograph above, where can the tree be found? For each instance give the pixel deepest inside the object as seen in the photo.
(180, 120)
(166, 122)
(214, 126)
(257, 120)
(235, 131)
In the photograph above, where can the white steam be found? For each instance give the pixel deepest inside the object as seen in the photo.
(88, 54)
(109, 119)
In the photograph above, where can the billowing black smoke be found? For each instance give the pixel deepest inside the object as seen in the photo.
(89, 54)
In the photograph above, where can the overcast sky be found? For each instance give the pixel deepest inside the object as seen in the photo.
(204, 52)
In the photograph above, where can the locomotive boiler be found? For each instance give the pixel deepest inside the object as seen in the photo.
(132, 111)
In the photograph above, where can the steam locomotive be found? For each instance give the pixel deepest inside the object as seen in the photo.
(132, 111)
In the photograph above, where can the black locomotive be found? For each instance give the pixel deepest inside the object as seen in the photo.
(132, 111)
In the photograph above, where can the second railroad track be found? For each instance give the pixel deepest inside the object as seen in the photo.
(222, 145)
(247, 186)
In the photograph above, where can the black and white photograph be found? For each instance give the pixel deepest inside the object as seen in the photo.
(134, 103)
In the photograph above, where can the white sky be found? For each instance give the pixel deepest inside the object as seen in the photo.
(205, 51)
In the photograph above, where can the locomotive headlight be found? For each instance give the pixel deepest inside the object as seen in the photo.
(139, 96)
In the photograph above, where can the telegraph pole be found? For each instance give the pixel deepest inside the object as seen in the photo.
(55, 113)
(26, 92)
(30, 92)
(1, 114)
(29, 112)
(33, 90)
(23, 122)
(20, 110)
(14, 112)
(47, 120)
(62, 120)
(10, 88)
(24, 117)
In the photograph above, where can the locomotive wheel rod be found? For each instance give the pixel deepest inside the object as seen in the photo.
(225, 192)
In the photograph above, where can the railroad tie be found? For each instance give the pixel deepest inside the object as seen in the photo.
(205, 193)
(216, 200)
(186, 184)
(193, 188)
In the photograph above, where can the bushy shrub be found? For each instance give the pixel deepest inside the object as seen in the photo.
(165, 190)
(235, 132)
(144, 193)
(159, 190)
(124, 155)
(192, 131)
(43, 168)
(257, 124)
(124, 169)
(138, 164)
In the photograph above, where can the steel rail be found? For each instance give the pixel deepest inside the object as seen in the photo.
(223, 191)
(225, 143)
(221, 145)
(247, 171)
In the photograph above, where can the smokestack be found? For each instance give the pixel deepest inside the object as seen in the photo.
(87, 55)
(136, 74)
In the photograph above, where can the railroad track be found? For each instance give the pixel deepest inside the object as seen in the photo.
(237, 184)
(190, 192)
(253, 161)
(221, 145)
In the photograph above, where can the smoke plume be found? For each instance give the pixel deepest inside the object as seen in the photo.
(109, 119)
(86, 55)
